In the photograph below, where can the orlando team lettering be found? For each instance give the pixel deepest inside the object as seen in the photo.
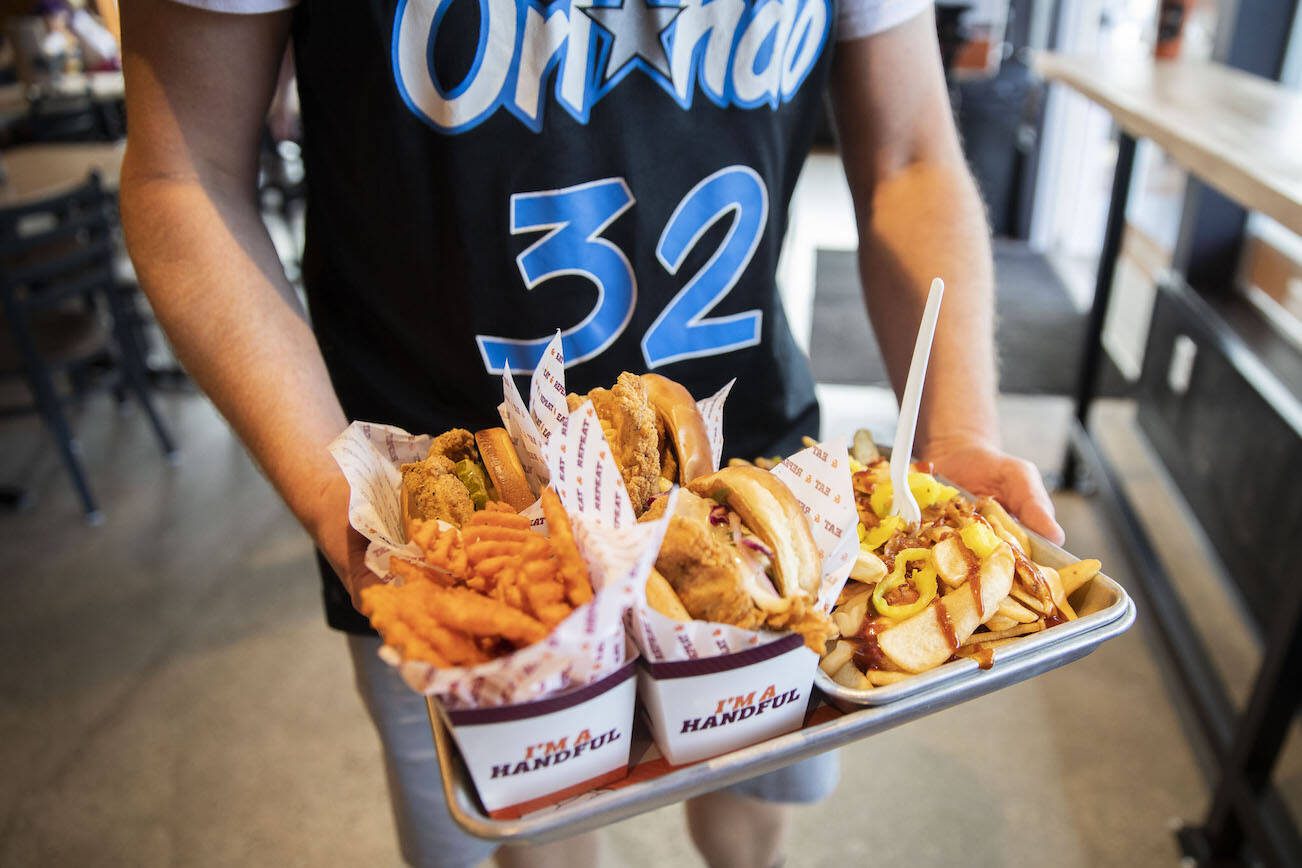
(744, 53)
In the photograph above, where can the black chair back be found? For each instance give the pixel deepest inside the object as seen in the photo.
(57, 249)
(57, 254)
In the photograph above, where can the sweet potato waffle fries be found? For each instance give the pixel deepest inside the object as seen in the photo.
(482, 591)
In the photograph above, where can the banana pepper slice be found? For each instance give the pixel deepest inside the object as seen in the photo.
(924, 582)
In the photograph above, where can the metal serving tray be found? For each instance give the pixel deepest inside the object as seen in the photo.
(652, 784)
(1099, 602)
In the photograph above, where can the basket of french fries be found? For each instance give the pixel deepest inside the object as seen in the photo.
(939, 601)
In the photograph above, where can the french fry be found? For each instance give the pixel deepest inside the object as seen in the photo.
(1055, 589)
(849, 676)
(950, 561)
(477, 615)
(994, 636)
(851, 616)
(995, 513)
(854, 594)
(1034, 604)
(1075, 575)
(836, 658)
(881, 678)
(573, 571)
(863, 449)
(410, 571)
(1000, 622)
(1015, 611)
(868, 568)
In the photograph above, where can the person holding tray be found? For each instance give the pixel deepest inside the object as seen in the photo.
(485, 174)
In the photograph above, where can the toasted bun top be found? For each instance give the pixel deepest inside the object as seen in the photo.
(504, 467)
(774, 515)
(684, 427)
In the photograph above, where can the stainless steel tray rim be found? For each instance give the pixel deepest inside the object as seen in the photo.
(609, 806)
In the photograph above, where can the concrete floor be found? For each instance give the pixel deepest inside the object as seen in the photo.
(173, 697)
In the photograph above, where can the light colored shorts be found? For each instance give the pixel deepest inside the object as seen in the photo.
(427, 834)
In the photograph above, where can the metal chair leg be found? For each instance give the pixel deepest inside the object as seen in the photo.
(47, 402)
(134, 374)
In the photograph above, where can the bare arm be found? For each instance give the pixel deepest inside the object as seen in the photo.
(919, 215)
(198, 86)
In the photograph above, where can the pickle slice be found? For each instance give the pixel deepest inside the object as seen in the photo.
(473, 477)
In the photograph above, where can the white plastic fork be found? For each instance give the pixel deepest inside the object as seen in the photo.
(902, 502)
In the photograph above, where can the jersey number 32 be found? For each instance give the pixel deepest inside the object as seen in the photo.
(575, 218)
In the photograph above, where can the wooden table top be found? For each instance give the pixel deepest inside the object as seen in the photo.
(1240, 133)
(34, 171)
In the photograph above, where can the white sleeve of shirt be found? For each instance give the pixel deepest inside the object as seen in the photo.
(856, 19)
(240, 7)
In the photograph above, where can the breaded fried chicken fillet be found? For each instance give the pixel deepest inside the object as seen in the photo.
(629, 424)
(701, 565)
(431, 490)
(455, 445)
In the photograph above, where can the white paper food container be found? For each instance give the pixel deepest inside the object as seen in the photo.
(527, 756)
(704, 707)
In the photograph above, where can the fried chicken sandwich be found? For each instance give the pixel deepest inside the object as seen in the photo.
(738, 550)
(655, 432)
(461, 474)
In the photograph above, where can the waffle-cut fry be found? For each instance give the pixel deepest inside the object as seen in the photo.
(404, 640)
(547, 600)
(508, 590)
(477, 615)
(422, 617)
(491, 567)
(482, 590)
(573, 571)
(443, 548)
(424, 532)
(488, 533)
(382, 605)
(406, 613)
(409, 571)
(497, 515)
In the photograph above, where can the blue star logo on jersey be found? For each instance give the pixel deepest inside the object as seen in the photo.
(636, 31)
(744, 53)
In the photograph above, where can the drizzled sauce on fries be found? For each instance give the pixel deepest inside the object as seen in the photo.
(946, 625)
(867, 653)
(973, 576)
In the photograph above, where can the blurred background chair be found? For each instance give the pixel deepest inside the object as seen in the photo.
(67, 319)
